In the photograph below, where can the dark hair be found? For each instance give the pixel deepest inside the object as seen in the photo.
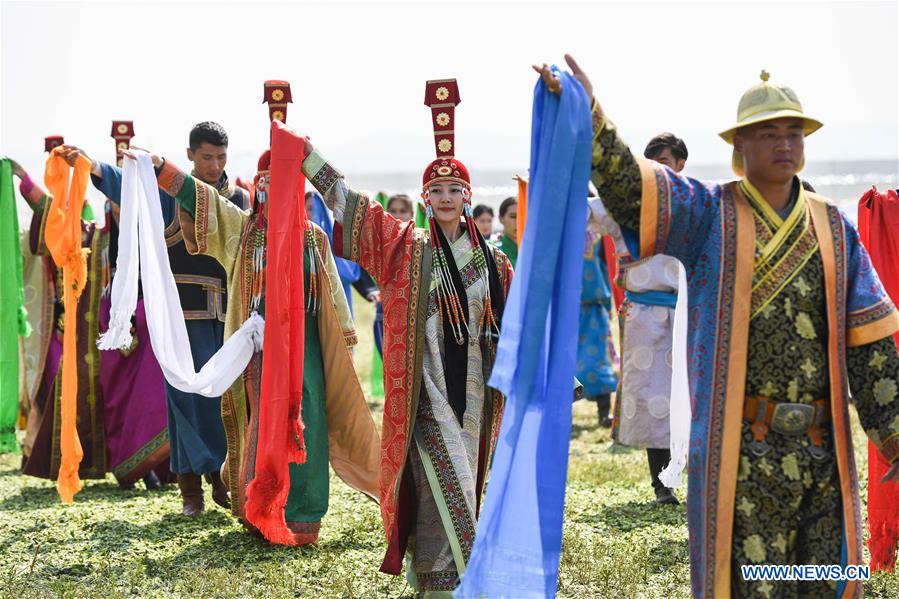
(507, 203)
(666, 140)
(482, 209)
(808, 186)
(400, 197)
(207, 132)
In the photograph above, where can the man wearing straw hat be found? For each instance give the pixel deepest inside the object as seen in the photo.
(784, 310)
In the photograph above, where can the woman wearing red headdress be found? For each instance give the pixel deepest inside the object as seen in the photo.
(443, 291)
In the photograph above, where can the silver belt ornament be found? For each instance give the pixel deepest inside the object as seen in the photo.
(790, 419)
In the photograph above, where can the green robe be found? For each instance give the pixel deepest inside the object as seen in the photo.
(338, 425)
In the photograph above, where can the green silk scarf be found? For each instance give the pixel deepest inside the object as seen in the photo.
(13, 317)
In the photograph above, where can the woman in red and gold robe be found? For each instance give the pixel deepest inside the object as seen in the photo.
(443, 292)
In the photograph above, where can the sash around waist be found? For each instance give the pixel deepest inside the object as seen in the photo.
(202, 297)
(653, 298)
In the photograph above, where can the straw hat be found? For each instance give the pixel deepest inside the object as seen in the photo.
(767, 102)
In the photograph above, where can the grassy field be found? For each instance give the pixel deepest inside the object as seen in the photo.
(114, 543)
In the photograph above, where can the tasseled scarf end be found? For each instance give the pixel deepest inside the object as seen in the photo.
(882, 545)
(264, 509)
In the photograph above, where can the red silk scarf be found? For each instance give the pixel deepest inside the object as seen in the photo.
(281, 395)
(611, 257)
(878, 225)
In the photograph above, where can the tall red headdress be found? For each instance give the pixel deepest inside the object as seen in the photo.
(276, 94)
(122, 132)
(442, 97)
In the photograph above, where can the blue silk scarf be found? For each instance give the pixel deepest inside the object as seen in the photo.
(519, 538)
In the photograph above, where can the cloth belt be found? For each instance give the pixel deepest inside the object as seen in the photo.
(764, 414)
(653, 298)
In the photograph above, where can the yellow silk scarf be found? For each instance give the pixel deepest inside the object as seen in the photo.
(62, 234)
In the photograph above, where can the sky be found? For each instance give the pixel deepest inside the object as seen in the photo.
(358, 73)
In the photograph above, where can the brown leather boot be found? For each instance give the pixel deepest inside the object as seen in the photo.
(191, 487)
(219, 489)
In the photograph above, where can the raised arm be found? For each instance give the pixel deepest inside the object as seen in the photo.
(33, 194)
(107, 179)
(364, 232)
(38, 200)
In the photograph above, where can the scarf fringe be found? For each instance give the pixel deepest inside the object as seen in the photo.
(118, 335)
(672, 475)
(264, 508)
(68, 483)
(882, 543)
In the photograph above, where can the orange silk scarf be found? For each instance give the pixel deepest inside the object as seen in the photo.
(522, 209)
(62, 234)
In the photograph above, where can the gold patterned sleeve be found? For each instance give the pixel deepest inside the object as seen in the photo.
(370, 237)
(615, 172)
(874, 379)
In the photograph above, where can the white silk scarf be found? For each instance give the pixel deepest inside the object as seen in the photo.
(143, 255)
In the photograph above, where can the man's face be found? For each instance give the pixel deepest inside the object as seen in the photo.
(667, 158)
(485, 224)
(510, 221)
(446, 199)
(400, 210)
(773, 151)
(209, 161)
(309, 204)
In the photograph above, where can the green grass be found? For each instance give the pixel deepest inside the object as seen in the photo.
(114, 543)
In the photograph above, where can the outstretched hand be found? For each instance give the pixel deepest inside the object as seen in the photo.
(71, 153)
(554, 85)
(155, 159)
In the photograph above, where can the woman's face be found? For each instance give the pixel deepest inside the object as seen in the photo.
(510, 220)
(400, 210)
(485, 224)
(446, 198)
